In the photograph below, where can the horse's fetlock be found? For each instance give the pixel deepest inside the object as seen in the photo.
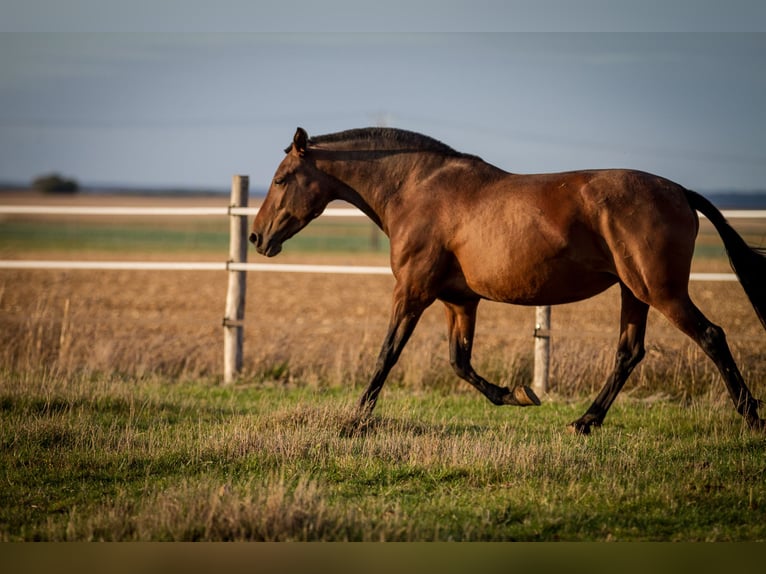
(460, 370)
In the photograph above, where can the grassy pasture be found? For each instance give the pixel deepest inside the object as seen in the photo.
(350, 236)
(206, 236)
(112, 458)
(115, 426)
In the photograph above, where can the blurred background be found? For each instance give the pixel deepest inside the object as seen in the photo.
(159, 103)
(173, 99)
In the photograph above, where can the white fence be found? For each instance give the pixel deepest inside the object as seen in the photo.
(237, 266)
(232, 266)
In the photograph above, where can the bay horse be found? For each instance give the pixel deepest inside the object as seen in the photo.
(462, 230)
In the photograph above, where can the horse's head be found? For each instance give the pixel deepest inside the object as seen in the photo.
(298, 193)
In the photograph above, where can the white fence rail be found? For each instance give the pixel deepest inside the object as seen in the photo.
(231, 266)
(183, 211)
(237, 265)
(195, 266)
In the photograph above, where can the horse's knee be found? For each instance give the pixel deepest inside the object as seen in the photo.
(630, 356)
(712, 338)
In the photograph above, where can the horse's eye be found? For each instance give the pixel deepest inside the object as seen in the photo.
(279, 180)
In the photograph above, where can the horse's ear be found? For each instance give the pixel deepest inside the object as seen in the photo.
(300, 141)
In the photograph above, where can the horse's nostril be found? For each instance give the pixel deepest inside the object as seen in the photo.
(254, 238)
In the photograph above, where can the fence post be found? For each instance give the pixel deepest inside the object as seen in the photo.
(542, 349)
(233, 332)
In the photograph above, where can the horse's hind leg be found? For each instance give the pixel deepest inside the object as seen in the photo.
(630, 351)
(711, 338)
(461, 321)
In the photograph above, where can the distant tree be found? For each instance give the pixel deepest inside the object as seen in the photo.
(55, 183)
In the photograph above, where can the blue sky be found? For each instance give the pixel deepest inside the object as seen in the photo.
(112, 98)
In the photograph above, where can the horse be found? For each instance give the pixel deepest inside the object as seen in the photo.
(462, 230)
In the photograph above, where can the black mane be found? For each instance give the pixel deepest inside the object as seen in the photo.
(386, 139)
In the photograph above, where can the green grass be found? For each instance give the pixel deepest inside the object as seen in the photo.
(176, 235)
(706, 251)
(109, 458)
(142, 237)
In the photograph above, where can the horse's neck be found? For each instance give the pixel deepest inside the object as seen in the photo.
(364, 188)
(370, 208)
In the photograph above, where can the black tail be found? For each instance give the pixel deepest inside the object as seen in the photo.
(749, 263)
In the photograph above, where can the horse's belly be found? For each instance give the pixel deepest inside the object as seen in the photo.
(520, 257)
(545, 284)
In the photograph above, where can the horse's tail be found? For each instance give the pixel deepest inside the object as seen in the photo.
(749, 263)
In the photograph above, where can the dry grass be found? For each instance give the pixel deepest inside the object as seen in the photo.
(325, 330)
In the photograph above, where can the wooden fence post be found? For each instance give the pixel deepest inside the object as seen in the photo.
(542, 349)
(233, 331)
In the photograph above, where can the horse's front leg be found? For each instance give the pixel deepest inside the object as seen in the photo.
(404, 317)
(461, 321)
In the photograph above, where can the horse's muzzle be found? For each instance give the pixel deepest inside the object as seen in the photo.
(269, 248)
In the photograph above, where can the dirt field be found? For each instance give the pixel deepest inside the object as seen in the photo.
(326, 329)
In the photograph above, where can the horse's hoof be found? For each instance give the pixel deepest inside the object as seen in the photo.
(357, 424)
(523, 396)
(582, 426)
(578, 428)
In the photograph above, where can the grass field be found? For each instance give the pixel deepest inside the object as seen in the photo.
(115, 425)
(113, 458)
